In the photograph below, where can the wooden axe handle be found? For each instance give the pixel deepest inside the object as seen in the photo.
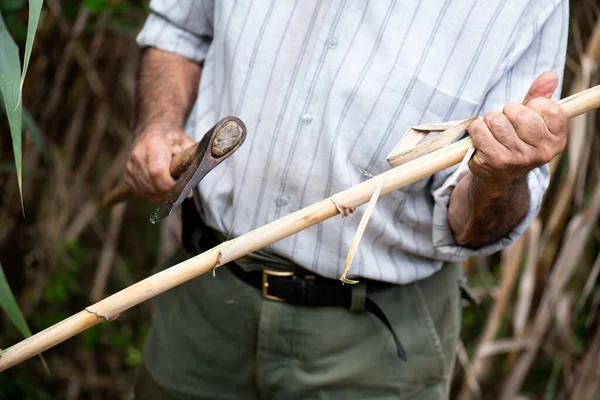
(179, 164)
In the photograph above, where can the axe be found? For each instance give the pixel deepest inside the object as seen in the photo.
(190, 166)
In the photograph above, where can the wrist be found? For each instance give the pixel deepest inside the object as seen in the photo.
(162, 128)
(498, 187)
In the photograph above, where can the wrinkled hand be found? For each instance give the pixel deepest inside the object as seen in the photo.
(520, 138)
(147, 169)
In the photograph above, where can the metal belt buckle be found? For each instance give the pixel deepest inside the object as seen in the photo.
(265, 283)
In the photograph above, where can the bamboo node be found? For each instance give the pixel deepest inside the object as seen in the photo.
(218, 263)
(219, 256)
(100, 316)
(345, 211)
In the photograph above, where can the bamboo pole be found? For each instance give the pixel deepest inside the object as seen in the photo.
(394, 179)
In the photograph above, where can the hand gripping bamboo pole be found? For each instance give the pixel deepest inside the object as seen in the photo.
(395, 178)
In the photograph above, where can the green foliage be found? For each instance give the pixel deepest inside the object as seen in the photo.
(96, 6)
(19, 387)
(133, 357)
(12, 77)
(11, 5)
(35, 8)
(10, 306)
(10, 91)
(11, 83)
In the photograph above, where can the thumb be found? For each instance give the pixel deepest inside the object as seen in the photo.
(543, 86)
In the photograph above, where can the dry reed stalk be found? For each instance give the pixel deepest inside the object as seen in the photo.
(463, 359)
(394, 179)
(527, 284)
(107, 256)
(502, 346)
(480, 363)
(66, 57)
(589, 284)
(579, 140)
(97, 133)
(563, 321)
(89, 210)
(568, 259)
(587, 379)
(79, 115)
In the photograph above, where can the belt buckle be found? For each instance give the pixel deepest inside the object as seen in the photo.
(265, 283)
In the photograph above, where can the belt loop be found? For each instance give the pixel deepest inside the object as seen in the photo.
(359, 296)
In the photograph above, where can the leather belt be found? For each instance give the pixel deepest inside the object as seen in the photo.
(298, 289)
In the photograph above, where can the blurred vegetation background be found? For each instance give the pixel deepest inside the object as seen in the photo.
(535, 333)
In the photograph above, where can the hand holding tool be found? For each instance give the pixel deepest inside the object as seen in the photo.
(191, 165)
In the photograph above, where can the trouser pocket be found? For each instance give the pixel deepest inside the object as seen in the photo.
(426, 317)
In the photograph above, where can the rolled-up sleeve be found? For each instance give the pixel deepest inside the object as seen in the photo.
(544, 50)
(183, 27)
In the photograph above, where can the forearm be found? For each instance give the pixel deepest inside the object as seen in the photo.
(167, 88)
(480, 213)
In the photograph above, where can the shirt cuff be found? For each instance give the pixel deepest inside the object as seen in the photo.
(162, 34)
(443, 239)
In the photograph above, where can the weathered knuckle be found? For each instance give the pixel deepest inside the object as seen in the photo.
(561, 143)
(553, 111)
(511, 109)
(135, 156)
(545, 154)
(533, 121)
(476, 126)
(539, 104)
(156, 171)
(153, 142)
(491, 116)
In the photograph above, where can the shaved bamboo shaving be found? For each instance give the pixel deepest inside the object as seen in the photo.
(438, 126)
(359, 232)
(443, 139)
(410, 139)
(463, 164)
(415, 134)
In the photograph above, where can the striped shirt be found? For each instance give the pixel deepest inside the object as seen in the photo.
(326, 88)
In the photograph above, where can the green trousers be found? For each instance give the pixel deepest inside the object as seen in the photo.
(218, 338)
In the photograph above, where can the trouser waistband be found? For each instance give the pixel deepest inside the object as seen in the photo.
(296, 288)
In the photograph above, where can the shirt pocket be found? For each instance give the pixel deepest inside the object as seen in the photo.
(427, 100)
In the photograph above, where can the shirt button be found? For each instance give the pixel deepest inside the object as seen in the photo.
(332, 43)
(306, 119)
(283, 200)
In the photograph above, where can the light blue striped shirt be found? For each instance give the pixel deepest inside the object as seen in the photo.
(328, 87)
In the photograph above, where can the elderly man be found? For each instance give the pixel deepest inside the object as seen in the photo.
(326, 88)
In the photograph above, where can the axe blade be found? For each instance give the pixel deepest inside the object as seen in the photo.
(221, 141)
